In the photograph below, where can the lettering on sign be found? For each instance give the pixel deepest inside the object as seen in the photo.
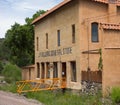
(56, 52)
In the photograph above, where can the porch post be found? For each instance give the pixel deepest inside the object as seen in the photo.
(51, 70)
(68, 76)
(59, 70)
(45, 66)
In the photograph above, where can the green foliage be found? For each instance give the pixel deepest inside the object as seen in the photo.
(37, 14)
(115, 94)
(100, 64)
(20, 41)
(11, 73)
(4, 51)
(1, 67)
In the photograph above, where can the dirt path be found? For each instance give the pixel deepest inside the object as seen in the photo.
(7, 98)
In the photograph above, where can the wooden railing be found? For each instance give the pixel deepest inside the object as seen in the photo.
(92, 76)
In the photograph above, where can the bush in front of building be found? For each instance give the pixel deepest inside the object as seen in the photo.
(1, 67)
(115, 94)
(12, 73)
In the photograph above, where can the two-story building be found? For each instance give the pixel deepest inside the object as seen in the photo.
(68, 38)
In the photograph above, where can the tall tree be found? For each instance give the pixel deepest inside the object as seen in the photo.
(20, 40)
(4, 51)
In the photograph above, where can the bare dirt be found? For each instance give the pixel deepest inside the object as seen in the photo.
(7, 98)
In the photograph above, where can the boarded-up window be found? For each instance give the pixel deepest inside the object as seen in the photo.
(58, 37)
(73, 33)
(46, 40)
(37, 42)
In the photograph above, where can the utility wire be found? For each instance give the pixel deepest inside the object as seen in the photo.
(102, 16)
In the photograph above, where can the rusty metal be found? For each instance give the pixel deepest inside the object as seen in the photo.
(42, 84)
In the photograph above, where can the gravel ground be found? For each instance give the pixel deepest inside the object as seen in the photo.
(7, 98)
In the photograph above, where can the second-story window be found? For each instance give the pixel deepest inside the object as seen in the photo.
(46, 40)
(37, 42)
(73, 33)
(94, 32)
(58, 37)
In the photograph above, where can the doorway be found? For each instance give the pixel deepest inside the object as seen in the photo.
(64, 70)
(38, 70)
(42, 70)
(64, 74)
(29, 74)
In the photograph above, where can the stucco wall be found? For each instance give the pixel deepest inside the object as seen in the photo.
(111, 60)
(28, 74)
(81, 13)
(90, 11)
(62, 20)
(111, 71)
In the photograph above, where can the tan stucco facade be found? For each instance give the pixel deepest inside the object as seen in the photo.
(83, 52)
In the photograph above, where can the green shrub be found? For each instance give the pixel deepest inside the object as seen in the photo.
(115, 94)
(11, 73)
(1, 67)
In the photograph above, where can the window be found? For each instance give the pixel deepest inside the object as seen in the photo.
(37, 39)
(58, 36)
(38, 70)
(73, 71)
(73, 33)
(46, 40)
(55, 70)
(94, 32)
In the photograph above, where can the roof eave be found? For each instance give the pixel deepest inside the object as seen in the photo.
(51, 11)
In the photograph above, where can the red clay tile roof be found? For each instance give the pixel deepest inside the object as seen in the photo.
(30, 66)
(102, 1)
(51, 10)
(110, 26)
(117, 2)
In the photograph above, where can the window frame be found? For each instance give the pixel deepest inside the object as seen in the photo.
(73, 33)
(73, 71)
(94, 32)
(58, 38)
(46, 40)
(37, 43)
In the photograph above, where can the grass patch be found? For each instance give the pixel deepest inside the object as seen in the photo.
(9, 87)
(52, 98)
(59, 98)
(115, 94)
